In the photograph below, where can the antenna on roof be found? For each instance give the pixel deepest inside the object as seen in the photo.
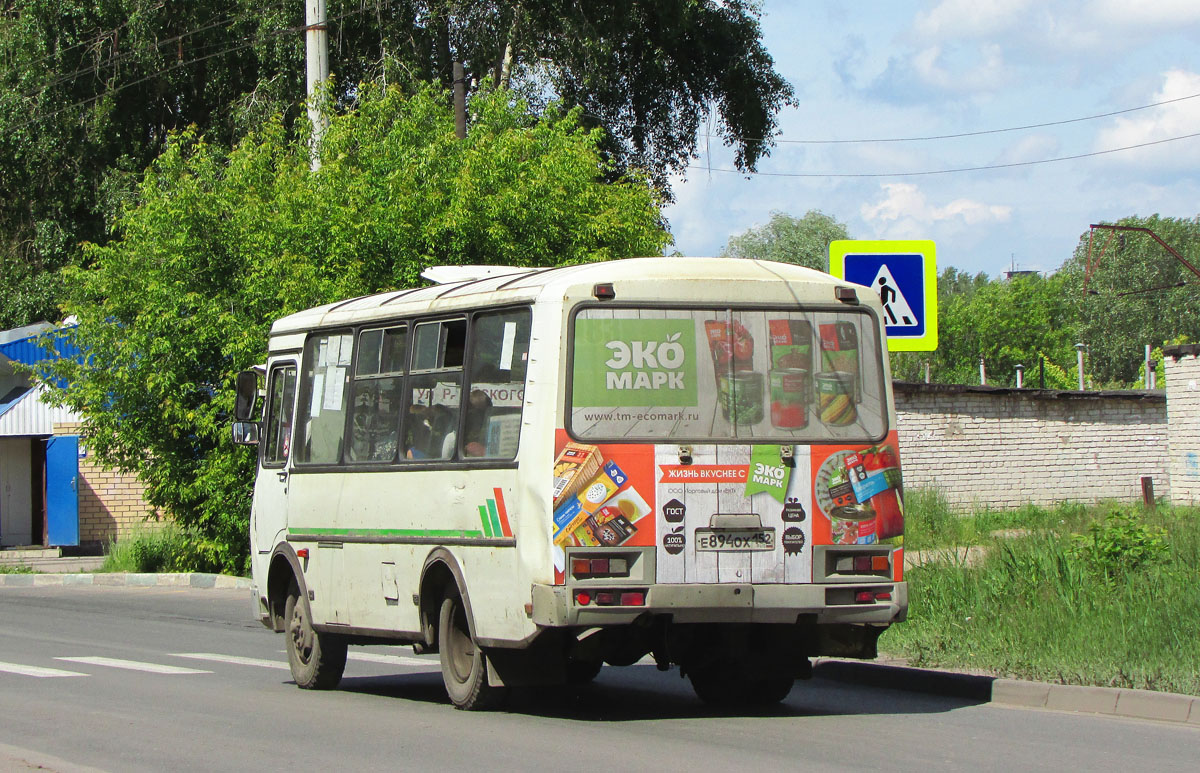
(447, 274)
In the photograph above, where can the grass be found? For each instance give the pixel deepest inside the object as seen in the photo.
(166, 549)
(16, 569)
(1100, 595)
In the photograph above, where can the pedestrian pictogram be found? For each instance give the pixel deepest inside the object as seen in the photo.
(895, 307)
(904, 276)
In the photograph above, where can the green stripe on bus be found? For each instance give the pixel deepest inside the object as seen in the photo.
(388, 532)
(494, 516)
(483, 517)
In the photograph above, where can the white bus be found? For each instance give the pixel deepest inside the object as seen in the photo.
(534, 472)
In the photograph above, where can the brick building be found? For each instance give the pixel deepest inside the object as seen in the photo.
(52, 491)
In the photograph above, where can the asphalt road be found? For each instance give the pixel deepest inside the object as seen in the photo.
(76, 694)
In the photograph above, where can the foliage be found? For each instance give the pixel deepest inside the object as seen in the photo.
(165, 549)
(1119, 545)
(1007, 323)
(1040, 608)
(804, 240)
(218, 244)
(16, 569)
(90, 91)
(1137, 292)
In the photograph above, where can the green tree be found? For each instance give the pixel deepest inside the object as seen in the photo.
(90, 90)
(802, 240)
(1137, 293)
(219, 243)
(1008, 323)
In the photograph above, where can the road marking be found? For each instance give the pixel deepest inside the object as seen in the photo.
(395, 660)
(235, 659)
(134, 665)
(17, 668)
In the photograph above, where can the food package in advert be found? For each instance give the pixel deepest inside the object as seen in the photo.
(614, 523)
(571, 514)
(576, 465)
(875, 477)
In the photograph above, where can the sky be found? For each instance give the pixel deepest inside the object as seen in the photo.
(888, 69)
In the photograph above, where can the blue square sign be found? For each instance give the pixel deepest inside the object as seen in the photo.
(904, 276)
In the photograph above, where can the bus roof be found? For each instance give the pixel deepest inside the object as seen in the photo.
(640, 279)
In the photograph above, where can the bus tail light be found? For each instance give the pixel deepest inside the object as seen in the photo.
(611, 598)
(583, 568)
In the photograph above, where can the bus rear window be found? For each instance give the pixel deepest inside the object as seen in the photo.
(746, 374)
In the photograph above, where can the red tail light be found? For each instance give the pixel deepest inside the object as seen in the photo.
(633, 599)
(583, 598)
(864, 597)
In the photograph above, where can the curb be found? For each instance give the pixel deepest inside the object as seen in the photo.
(1108, 701)
(131, 579)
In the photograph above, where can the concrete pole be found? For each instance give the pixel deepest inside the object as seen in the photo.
(926, 371)
(317, 48)
(1020, 376)
(982, 373)
(460, 102)
(1079, 362)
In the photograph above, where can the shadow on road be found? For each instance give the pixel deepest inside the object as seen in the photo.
(639, 693)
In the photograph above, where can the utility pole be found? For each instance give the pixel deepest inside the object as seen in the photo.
(460, 102)
(316, 35)
(1079, 362)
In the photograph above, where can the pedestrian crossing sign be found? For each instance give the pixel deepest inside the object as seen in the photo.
(904, 276)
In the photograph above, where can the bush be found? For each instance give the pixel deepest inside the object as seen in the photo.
(169, 549)
(1119, 545)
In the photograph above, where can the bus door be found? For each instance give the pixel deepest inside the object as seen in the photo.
(270, 491)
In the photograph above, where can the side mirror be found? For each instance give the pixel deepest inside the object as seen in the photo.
(247, 395)
(245, 433)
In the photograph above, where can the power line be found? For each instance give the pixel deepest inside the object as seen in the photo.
(974, 133)
(954, 170)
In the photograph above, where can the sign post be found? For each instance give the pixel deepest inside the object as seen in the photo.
(904, 276)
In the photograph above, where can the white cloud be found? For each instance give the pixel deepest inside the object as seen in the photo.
(904, 204)
(986, 72)
(969, 18)
(1160, 123)
(1159, 14)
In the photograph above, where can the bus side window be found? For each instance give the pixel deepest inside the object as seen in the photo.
(378, 392)
(499, 360)
(434, 390)
(322, 414)
(281, 397)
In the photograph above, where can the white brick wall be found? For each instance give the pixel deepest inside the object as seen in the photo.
(1183, 414)
(1006, 448)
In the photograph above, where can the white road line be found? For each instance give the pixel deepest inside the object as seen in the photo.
(17, 668)
(235, 659)
(134, 665)
(395, 660)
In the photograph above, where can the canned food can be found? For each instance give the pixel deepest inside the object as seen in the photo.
(789, 398)
(835, 398)
(741, 397)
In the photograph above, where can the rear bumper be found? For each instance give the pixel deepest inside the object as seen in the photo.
(554, 605)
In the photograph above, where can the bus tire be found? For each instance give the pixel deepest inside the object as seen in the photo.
(317, 660)
(464, 666)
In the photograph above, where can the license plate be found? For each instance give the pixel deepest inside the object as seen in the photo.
(734, 540)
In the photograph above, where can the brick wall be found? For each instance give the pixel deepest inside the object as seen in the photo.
(1182, 365)
(1008, 447)
(110, 502)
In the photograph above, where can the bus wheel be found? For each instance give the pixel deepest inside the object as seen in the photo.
(317, 660)
(464, 667)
